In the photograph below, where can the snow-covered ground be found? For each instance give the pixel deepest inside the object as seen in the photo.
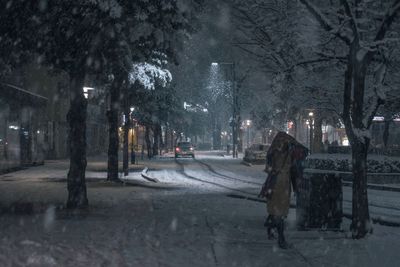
(189, 223)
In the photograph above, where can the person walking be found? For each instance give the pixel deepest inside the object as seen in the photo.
(277, 187)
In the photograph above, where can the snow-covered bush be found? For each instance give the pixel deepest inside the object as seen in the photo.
(341, 162)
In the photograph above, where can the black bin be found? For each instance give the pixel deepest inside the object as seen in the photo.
(319, 202)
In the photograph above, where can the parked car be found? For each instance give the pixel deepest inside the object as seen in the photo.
(184, 149)
(256, 153)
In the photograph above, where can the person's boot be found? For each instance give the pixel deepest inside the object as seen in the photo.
(271, 235)
(281, 237)
(269, 223)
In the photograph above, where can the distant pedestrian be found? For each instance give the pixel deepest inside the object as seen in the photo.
(277, 187)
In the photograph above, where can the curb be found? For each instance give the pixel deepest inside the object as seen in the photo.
(375, 187)
(376, 220)
(145, 176)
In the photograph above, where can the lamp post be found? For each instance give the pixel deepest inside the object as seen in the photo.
(234, 122)
(311, 124)
(307, 135)
(248, 124)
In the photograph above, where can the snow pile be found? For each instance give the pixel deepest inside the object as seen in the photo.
(340, 162)
(148, 75)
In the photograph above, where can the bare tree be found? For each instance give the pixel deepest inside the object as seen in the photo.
(352, 38)
(365, 34)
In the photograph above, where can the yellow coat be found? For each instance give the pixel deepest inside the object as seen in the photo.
(279, 202)
(279, 163)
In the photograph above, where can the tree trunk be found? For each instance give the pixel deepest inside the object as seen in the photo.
(161, 145)
(157, 134)
(264, 136)
(166, 144)
(317, 141)
(163, 140)
(360, 224)
(175, 140)
(76, 117)
(354, 104)
(113, 143)
(148, 142)
(217, 135)
(239, 140)
(125, 160)
(127, 125)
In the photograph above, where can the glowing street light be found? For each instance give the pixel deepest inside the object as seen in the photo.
(86, 91)
(248, 124)
(310, 125)
(235, 105)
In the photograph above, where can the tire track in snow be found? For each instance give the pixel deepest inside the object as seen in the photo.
(185, 174)
(223, 176)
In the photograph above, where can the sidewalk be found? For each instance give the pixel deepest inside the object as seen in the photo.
(31, 185)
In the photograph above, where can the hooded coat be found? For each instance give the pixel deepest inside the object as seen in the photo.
(281, 167)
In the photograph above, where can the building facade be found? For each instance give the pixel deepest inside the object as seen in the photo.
(33, 125)
(22, 127)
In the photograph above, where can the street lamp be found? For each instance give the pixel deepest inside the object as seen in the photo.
(234, 122)
(86, 91)
(311, 123)
(248, 124)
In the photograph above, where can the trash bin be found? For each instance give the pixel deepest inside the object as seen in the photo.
(319, 200)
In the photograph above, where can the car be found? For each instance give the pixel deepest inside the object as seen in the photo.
(256, 154)
(184, 149)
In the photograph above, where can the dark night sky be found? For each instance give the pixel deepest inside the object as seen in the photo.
(213, 42)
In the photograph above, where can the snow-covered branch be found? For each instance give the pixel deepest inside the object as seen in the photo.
(148, 75)
(379, 94)
(324, 21)
(313, 61)
(350, 14)
(388, 20)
